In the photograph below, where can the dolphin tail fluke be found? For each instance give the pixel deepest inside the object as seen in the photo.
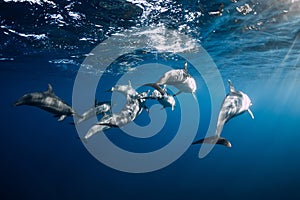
(214, 140)
(154, 85)
(179, 92)
(209, 140)
(157, 87)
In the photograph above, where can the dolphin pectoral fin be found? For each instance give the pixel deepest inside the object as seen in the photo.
(250, 113)
(62, 118)
(214, 140)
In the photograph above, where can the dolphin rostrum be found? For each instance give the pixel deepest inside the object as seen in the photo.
(47, 101)
(235, 103)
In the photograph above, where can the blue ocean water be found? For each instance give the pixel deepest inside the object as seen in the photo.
(258, 49)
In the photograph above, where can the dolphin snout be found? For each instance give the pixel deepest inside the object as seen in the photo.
(109, 90)
(18, 103)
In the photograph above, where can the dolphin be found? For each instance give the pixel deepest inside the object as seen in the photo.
(130, 111)
(98, 109)
(127, 90)
(162, 96)
(179, 78)
(48, 101)
(234, 104)
(130, 92)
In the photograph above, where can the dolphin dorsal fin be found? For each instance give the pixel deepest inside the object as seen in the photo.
(50, 89)
(185, 67)
(231, 87)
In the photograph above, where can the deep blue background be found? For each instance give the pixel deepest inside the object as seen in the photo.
(43, 159)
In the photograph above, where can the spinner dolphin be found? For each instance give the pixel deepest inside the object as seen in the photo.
(234, 104)
(47, 101)
(179, 78)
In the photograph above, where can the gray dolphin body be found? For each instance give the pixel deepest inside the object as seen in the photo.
(132, 108)
(179, 78)
(47, 101)
(234, 104)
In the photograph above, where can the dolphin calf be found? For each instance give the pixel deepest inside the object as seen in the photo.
(47, 101)
(132, 108)
(234, 104)
(162, 96)
(179, 78)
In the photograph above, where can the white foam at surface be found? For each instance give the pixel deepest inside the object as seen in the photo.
(165, 40)
(76, 15)
(34, 36)
(39, 2)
